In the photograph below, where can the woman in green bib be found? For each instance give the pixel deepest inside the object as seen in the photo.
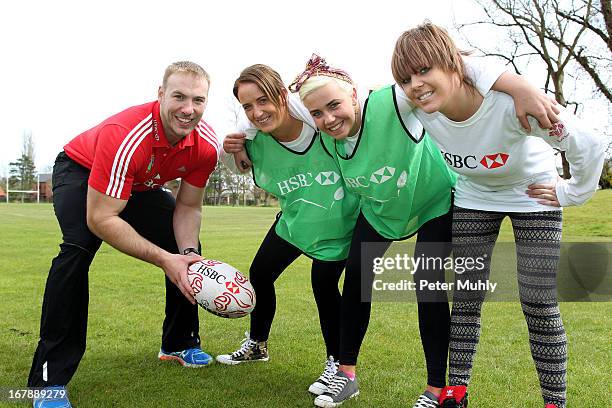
(404, 185)
(405, 188)
(317, 212)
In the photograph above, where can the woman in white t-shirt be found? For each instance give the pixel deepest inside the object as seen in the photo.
(503, 171)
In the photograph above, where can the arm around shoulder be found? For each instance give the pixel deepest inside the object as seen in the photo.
(233, 154)
(528, 100)
(484, 73)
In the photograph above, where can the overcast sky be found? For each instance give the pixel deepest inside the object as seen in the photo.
(70, 64)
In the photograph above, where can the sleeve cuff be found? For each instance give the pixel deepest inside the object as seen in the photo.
(561, 195)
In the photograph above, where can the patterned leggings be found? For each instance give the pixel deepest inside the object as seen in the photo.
(537, 236)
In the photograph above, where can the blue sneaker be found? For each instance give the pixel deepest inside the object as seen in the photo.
(193, 357)
(53, 397)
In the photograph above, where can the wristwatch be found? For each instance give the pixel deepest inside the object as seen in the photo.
(191, 250)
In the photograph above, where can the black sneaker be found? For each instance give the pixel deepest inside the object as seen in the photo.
(340, 389)
(250, 350)
(427, 400)
(320, 385)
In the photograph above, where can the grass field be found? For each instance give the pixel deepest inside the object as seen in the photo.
(120, 368)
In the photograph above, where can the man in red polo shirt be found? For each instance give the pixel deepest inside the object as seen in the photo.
(107, 187)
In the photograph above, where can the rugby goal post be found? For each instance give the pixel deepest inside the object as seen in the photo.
(37, 191)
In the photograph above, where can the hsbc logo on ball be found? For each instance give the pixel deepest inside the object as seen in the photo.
(221, 289)
(232, 287)
(488, 161)
(210, 273)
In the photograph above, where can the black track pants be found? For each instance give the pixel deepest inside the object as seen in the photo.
(63, 326)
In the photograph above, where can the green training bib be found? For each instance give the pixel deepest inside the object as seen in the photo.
(318, 214)
(401, 178)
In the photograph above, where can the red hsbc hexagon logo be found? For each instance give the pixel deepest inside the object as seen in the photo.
(493, 161)
(232, 287)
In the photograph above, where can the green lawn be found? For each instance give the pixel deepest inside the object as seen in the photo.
(120, 368)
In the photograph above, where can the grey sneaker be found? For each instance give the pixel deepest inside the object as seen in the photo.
(320, 385)
(427, 400)
(340, 389)
(250, 350)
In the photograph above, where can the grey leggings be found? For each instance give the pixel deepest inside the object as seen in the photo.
(537, 236)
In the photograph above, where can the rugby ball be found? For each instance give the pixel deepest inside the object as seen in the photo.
(221, 289)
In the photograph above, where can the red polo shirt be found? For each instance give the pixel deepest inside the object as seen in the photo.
(129, 152)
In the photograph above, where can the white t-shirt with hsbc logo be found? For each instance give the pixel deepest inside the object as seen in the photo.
(496, 159)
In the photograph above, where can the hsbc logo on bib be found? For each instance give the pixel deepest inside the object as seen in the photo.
(380, 176)
(493, 161)
(383, 174)
(327, 178)
(324, 178)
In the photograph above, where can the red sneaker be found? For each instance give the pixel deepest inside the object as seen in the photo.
(550, 406)
(454, 396)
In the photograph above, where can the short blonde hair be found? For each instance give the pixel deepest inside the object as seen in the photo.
(318, 81)
(185, 66)
(426, 46)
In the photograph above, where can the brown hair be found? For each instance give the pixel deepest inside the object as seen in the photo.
(426, 46)
(268, 80)
(185, 66)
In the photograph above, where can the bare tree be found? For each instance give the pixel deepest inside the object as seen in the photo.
(597, 20)
(237, 185)
(216, 185)
(262, 197)
(558, 32)
(223, 180)
(567, 36)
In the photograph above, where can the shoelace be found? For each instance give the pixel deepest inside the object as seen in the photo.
(337, 385)
(424, 402)
(331, 368)
(247, 344)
